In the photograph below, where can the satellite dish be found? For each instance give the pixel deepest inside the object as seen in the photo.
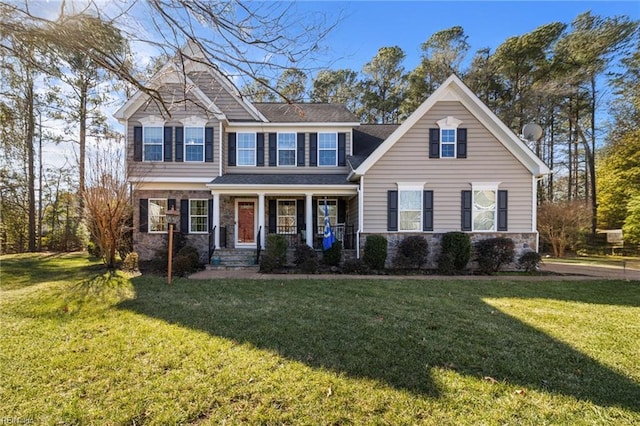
(532, 132)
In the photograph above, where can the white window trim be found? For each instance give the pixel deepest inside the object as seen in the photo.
(144, 144)
(484, 186)
(295, 149)
(191, 231)
(295, 217)
(336, 149)
(149, 215)
(184, 144)
(411, 186)
(450, 123)
(255, 149)
(320, 220)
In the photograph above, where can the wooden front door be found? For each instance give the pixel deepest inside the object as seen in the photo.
(246, 222)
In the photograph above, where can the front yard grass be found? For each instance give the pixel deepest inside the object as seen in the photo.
(82, 346)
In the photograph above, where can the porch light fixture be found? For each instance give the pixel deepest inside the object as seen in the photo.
(172, 220)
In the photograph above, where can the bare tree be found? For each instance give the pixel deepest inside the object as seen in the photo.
(560, 223)
(107, 199)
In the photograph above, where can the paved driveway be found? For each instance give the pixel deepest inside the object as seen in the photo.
(600, 271)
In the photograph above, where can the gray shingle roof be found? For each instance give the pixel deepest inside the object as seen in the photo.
(305, 113)
(367, 137)
(281, 179)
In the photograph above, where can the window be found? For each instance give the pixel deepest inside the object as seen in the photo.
(152, 143)
(448, 143)
(287, 217)
(198, 216)
(327, 149)
(194, 144)
(332, 208)
(410, 209)
(286, 149)
(484, 211)
(246, 149)
(157, 215)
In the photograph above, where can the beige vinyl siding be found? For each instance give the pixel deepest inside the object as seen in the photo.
(229, 104)
(180, 110)
(487, 161)
(285, 169)
(352, 212)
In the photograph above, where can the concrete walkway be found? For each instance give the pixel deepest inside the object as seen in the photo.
(561, 271)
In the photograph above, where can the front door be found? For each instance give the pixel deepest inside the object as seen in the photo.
(246, 214)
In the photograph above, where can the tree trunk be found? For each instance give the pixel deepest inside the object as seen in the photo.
(29, 137)
(592, 159)
(83, 145)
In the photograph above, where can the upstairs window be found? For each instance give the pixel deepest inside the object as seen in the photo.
(287, 149)
(327, 149)
(447, 143)
(246, 149)
(194, 144)
(152, 143)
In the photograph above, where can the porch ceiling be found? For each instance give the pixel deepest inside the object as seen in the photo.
(336, 184)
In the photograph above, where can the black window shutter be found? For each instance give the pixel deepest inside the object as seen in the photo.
(461, 141)
(434, 143)
(301, 141)
(313, 149)
(342, 149)
(184, 216)
(314, 215)
(273, 216)
(466, 211)
(260, 150)
(502, 210)
(210, 214)
(208, 144)
(342, 211)
(168, 143)
(273, 149)
(137, 143)
(179, 144)
(231, 152)
(300, 217)
(427, 211)
(144, 215)
(392, 210)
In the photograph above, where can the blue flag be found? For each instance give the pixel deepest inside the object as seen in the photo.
(328, 238)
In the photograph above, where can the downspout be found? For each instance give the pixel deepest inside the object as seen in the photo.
(360, 190)
(220, 149)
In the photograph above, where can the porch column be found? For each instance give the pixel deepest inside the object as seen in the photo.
(261, 213)
(308, 209)
(216, 219)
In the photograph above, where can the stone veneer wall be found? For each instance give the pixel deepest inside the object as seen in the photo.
(147, 245)
(522, 241)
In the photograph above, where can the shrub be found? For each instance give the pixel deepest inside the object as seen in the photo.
(276, 246)
(375, 252)
(94, 250)
(306, 259)
(333, 256)
(492, 253)
(131, 262)
(412, 253)
(269, 263)
(187, 260)
(355, 266)
(455, 252)
(529, 261)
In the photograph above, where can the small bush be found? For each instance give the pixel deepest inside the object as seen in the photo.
(455, 253)
(375, 252)
(269, 263)
(182, 265)
(276, 247)
(306, 259)
(131, 262)
(492, 253)
(94, 250)
(529, 261)
(412, 253)
(193, 254)
(355, 266)
(333, 256)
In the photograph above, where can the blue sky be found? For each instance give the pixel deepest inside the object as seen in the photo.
(370, 25)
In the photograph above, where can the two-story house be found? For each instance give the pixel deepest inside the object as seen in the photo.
(237, 171)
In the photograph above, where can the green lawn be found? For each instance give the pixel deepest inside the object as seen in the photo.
(81, 346)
